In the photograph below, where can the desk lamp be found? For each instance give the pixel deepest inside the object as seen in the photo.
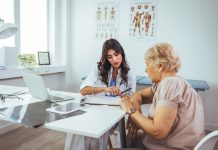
(7, 29)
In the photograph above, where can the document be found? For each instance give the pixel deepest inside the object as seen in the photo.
(11, 90)
(101, 100)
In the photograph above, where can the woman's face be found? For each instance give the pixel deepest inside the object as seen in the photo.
(153, 72)
(114, 58)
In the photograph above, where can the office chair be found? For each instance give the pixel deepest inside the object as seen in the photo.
(208, 142)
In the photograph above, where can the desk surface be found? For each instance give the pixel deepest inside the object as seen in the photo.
(94, 123)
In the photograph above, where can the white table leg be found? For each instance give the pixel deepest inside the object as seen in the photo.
(74, 142)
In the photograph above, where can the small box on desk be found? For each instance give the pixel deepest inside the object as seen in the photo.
(9, 57)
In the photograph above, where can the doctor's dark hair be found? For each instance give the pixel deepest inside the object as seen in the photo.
(104, 65)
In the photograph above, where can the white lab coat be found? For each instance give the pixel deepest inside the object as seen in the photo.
(93, 80)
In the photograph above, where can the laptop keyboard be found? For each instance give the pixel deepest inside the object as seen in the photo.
(56, 98)
(61, 97)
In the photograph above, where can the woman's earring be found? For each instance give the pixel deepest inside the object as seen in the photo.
(160, 69)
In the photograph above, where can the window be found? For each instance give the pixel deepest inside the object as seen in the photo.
(33, 26)
(7, 14)
(41, 27)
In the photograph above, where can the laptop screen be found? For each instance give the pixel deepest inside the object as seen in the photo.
(36, 86)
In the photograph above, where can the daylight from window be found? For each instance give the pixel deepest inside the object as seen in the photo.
(33, 26)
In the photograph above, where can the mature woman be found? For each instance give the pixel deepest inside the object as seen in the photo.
(112, 74)
(176, 117)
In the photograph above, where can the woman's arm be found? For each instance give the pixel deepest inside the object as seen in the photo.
(159, 127)
(144, 96)
(141, 97)
(88, 90)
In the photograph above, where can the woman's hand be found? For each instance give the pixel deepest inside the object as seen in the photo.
(113, 90)
(131, 127)
(122, 96)
(125, 103)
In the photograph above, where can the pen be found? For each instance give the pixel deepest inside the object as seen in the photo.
(125, 90)
(83, 99)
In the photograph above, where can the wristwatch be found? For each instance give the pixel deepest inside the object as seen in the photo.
(131, 111)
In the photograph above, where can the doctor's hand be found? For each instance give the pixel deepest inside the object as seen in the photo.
(113, 90)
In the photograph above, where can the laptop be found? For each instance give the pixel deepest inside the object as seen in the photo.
(38, 89)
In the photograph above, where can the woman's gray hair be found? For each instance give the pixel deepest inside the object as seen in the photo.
(163, 53)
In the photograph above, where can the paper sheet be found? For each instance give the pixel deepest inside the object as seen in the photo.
(8, 90)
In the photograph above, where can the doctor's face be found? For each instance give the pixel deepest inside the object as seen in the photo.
(114, 58)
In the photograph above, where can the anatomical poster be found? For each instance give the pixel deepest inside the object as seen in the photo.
(107, 12)
(143, 19)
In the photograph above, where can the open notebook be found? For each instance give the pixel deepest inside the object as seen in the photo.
(11, 90)
(101, 100)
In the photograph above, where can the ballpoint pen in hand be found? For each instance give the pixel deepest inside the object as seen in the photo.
(126, 90)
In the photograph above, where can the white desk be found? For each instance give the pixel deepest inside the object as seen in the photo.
(94, 123)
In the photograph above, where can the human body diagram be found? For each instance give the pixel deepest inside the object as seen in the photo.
(137, 22)
(146, 20)
(106, 20)
(141, 23)
(143, 20)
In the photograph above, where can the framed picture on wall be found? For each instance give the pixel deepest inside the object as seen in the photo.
(43, 58)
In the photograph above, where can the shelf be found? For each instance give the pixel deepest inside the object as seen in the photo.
(42, 70)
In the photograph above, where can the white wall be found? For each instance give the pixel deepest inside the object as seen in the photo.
(190, 25)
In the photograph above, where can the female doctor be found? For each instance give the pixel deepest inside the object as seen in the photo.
(111, 75)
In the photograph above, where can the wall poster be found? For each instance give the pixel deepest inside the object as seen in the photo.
(107, 12)
(143, 19)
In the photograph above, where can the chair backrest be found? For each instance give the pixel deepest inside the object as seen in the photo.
(208, 142)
